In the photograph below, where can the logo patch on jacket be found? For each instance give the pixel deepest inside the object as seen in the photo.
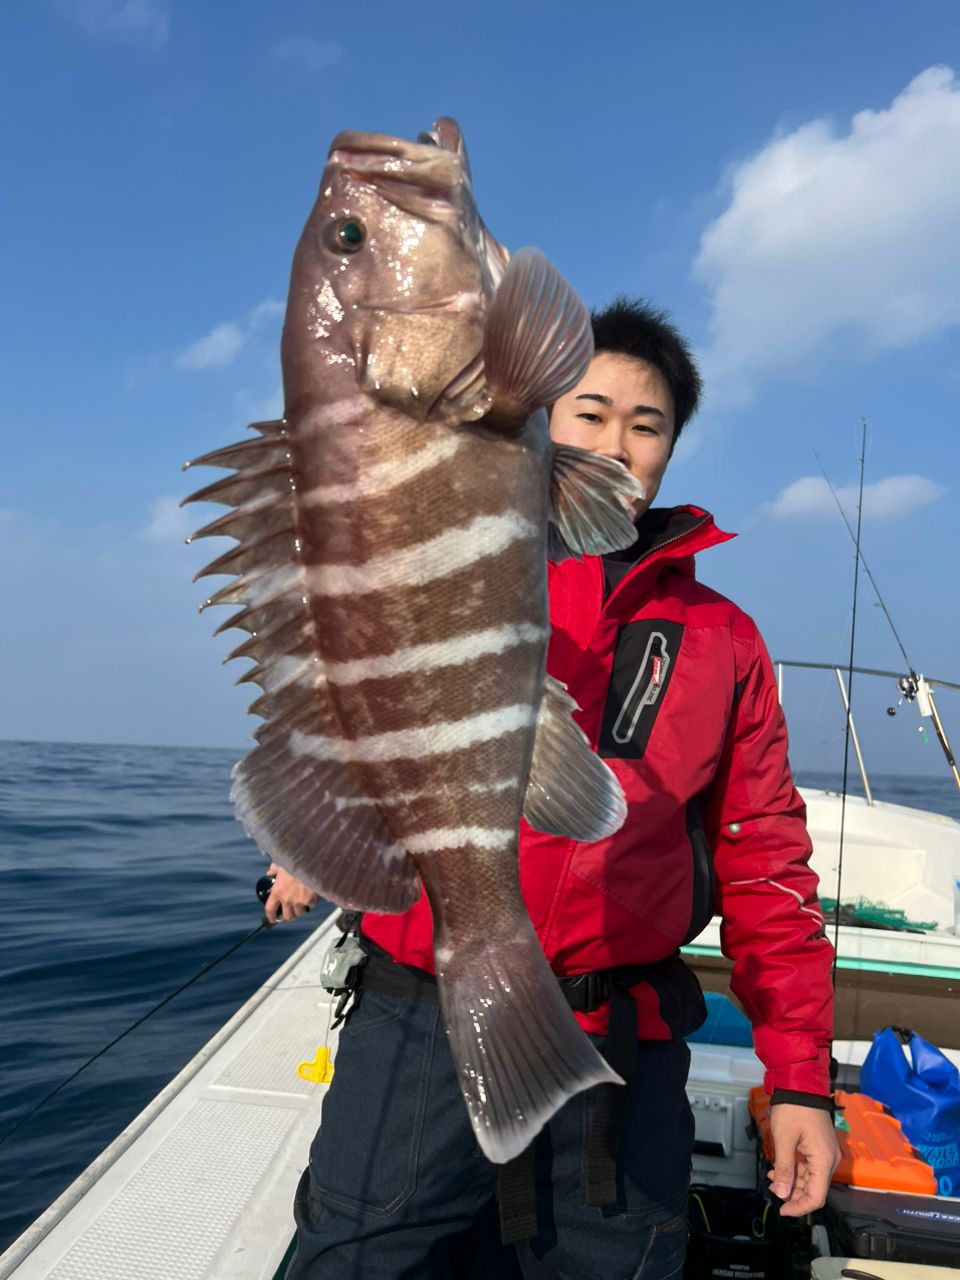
(643, 665)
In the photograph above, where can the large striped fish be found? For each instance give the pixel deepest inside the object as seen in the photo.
(393, 531)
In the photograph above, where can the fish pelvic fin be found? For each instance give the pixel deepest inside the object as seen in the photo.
(517, 1048)
(538, 340)
(590, 497)
(570, 790)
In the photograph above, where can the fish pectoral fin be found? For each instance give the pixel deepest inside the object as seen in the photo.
(307, 814)
(517, 1048)
(571, 791)
(538, 341)
(590, 498)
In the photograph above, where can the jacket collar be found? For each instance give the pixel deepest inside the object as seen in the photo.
(673, 534)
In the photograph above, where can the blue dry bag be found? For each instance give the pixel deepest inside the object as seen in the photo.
(925, 1098)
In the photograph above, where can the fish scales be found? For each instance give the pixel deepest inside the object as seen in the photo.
(391, 563)
(501, 586)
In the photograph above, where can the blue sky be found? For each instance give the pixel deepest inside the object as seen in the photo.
(783, 178)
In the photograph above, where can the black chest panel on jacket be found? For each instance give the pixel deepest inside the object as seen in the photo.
(643, 666)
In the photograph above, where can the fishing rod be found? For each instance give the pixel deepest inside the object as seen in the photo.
(264, 885)
(913, 687)
(849, 699)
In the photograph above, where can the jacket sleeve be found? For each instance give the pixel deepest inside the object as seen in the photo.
(771, 923)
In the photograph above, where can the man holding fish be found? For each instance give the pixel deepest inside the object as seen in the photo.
(394, 531)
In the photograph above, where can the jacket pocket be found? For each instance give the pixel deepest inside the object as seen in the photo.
(643, 666)
(365, 1157)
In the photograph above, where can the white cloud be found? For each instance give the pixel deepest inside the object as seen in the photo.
(224, 342)
(266, 310)
(837, 239)
(888, 499)
(138, 22)
(311, 54)
(221, 346)
(169, 522)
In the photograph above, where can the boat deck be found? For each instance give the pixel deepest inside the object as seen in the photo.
(201, 1183)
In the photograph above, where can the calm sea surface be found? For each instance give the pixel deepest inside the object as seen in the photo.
(124, 873)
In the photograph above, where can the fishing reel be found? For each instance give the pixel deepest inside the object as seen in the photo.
(909, 687)
(264, 886)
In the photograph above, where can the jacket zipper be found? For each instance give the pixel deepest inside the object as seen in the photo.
(654, 551)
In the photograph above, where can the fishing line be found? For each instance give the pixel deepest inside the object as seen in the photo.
(846, 737)
(205, 969)
(908, 688)
(866, 567)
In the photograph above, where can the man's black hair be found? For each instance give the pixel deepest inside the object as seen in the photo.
(632, 327)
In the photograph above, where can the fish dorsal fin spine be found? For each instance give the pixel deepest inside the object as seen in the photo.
(571, 791)
(287, 801)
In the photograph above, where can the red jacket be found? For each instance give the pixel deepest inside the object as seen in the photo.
(677, 693)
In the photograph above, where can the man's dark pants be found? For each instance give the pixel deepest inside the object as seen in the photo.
(397, 1188)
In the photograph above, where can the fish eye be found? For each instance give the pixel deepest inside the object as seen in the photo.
(350, 235)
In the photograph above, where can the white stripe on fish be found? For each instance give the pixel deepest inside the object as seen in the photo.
(441, 653)
(311, 673)
(337, 413)
(423, 562)
(386, 475)
(414, 744)
(406, 797)
(489, 838)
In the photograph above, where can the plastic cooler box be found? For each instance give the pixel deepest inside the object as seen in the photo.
(873, 1150)
(721, 1077)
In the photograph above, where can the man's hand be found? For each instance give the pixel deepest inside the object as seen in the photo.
(806, 1156)
(288, 894)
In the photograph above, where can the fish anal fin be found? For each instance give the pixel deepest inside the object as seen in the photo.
(590, 497)
(517, 1048)
(570, 791)
(538, 341)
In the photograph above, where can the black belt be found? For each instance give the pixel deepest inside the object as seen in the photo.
(584, 993)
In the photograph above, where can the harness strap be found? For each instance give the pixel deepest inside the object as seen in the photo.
(383, 975)
(517, 1198)
(610, 1103)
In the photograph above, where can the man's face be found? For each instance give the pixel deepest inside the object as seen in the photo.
(623, 409)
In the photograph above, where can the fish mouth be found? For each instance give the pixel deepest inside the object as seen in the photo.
(438, 162)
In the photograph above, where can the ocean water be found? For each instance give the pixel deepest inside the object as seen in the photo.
(124, 873)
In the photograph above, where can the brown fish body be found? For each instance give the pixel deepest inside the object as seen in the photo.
(393, 535)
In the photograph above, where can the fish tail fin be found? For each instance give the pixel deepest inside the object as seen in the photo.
(538, 340)
(518, 1051)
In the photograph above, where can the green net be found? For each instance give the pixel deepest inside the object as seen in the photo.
(877, 915)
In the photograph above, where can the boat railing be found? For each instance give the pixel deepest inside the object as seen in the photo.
(912, 688)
